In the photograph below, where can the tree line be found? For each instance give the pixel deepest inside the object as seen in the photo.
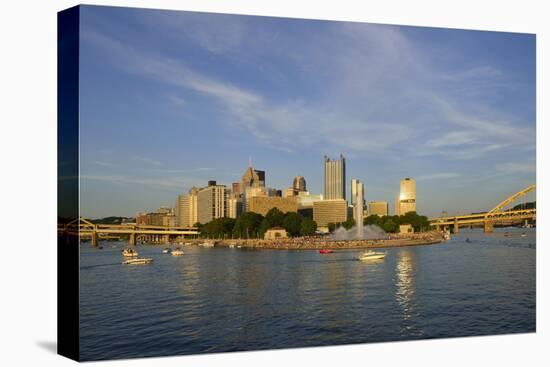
(254, 225)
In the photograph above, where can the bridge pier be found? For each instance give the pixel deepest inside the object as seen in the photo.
(132, 239)
(94, 239)
(455, 227)
(488, 226)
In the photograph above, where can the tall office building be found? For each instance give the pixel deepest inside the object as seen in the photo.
(299, 184)
(236, 188)
(211, 202)
(407, 196)
(234, 205)
(186, 209)
(335, 178)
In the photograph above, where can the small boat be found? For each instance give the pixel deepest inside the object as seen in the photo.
(166, 250)
(231, 245)
(523, 235)
(326, 251)
(137, 261)
(371, 255)
(129, 252)
(177, 252)
(468, 240)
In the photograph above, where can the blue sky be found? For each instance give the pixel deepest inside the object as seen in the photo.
(170, 100)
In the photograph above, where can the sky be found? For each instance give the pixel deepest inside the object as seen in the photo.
(172, 99)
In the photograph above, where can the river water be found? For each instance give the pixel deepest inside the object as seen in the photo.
(222, 299)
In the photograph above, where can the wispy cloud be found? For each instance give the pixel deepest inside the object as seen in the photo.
(156, 182)
(146, 160)
(438, 176)
(516, 167)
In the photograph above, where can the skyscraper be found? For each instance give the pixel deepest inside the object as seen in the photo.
(211, 202)
(299, 184)
(335, 178)
(407, 196)
(186, 209)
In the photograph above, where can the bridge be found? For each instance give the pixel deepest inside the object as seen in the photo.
(497, 215)
(85, 229)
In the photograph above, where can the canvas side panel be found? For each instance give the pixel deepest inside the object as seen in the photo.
(68, 183)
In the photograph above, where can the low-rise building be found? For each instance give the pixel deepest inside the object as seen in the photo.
(275, 233)
(406, 228)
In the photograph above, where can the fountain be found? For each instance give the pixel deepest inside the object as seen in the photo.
(359, 210)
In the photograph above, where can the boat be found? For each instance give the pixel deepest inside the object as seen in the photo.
(166, 250)
(371, 255)
(137, 261)
(523, 235)
(177, 252)
(129, 252)
(326, 251)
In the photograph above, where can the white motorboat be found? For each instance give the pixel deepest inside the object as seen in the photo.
(177, 252)
(371, 255)
(129, 252)
(166, 250)
(137, 261)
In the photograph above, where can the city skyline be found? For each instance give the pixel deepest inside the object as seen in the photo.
(189, 97)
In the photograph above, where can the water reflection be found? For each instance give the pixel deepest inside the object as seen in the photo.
(405, 290)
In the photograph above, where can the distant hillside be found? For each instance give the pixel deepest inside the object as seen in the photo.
(112, 220)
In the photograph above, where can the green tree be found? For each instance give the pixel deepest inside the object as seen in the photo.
(348, 224)
(331, 227)
(292, 222)
(308, 227)
(419, 222)
(247, 225)
(274, 218)
(390, 226)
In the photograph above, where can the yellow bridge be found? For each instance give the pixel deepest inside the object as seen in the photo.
(497, 215)
(84, 228)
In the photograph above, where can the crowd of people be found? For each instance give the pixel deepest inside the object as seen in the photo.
(324, 241)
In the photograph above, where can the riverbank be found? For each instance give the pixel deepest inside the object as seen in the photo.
(318, 243)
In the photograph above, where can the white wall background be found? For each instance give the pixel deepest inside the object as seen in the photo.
(28, 182)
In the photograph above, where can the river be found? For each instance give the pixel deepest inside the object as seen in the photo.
(229, 299)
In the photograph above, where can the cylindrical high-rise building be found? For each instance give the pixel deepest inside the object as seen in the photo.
(299, 184)
(335, 178)
(407, 196)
